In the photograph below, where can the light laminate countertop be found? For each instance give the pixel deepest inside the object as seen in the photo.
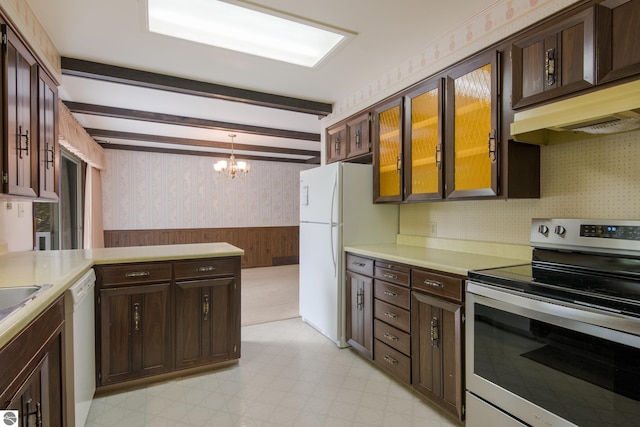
(455, 262)
(62, 268)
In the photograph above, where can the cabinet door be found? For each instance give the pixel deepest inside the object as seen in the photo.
(33, 397)
(437, 351)
(555, 61)
(48, 158)
(206, 321)
(336, 143)
(387, 164)
(20, 72)
(472, 128)
(360, 313)
(423, 149)
(358, 135)
(618, 34)
(135, 332)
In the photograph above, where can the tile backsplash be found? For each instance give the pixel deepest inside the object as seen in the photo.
(156, 190)
(593, 178)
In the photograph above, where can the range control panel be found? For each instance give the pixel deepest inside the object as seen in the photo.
(587, 235)
(624, 232)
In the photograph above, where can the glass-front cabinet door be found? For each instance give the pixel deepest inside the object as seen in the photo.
(423, 149)
(388, 152)
(472, 128)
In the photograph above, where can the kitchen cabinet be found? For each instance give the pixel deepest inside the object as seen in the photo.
(472, 128)
(350, 140)
(387, 152)
(134, 324)
(19, 72)
(423, 145)
(618, 33)
(437, 331)
(359, 304)
(337, 143)
(392, 319)
(207, 303)
(159, 319)
(48, 150)
(358, 135)
(32, 381)
(555, 60)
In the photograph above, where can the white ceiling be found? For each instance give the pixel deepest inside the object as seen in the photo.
(113, 32)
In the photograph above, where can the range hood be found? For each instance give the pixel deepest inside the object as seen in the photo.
(611, 110)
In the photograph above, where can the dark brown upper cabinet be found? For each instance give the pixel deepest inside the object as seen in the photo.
(555, 60)
(359, 136)
(337, 143)
(48, 151)
(20, 143)
(618, 39)
(423, 179)
(387, 154)
(472, 131)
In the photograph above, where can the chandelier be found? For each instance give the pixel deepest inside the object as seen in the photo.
(232, 168)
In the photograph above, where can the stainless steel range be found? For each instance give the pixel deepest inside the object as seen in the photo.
(557, 342)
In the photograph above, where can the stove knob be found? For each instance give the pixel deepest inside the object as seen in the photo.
(560, 230)
(543, 229)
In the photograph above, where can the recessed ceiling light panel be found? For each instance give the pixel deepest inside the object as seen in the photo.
(243, 29)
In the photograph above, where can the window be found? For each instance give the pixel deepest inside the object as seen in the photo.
(60, 225)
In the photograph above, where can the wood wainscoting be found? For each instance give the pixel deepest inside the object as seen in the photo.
(263, 246)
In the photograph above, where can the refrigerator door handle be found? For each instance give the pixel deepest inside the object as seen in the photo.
(334, 196)
(333, 253)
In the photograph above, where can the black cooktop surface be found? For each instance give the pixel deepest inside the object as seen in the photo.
(609, 283)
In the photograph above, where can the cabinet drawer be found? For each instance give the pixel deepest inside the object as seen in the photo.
(395, 316)
(126, 274)
(391, 360)
(206, 267)
(393, 294)
(391, 336)
(360, 265)
(438, 284)
(392, 273)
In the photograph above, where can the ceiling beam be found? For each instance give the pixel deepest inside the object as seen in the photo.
(108, 146)
(114, 74)
(125, 113)
(102, 133)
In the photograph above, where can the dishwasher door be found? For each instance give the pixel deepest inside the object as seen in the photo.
(80, 348)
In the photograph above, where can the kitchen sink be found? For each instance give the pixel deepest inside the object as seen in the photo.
(14, 298)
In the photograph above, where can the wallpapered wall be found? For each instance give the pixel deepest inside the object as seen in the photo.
(157, 190)
(598, 178)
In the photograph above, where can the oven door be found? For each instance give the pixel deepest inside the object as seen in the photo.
(539, 363)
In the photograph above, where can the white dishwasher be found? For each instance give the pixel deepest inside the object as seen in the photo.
(80, 348)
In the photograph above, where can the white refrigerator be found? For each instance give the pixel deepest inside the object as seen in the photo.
(336, 210)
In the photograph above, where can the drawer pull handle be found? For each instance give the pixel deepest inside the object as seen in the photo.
(205, 308)
(138, 274)
(136, 316)
(391, 293)
(390, 337)
(206, 268)
(359, 264)
(433, 283)
(390, 360)
(390, 315)
(390, 276)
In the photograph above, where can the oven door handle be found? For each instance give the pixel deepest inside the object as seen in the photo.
(581, 317)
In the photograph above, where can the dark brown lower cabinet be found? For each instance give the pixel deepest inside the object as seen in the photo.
(205, 321)
(31, 379)
(156, 318)
(360, 313)
(437, 353)
(136, 332)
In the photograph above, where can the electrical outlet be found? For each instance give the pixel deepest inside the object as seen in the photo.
(434, 229)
